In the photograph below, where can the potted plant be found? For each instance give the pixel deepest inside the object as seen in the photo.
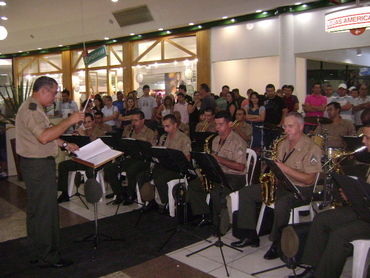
(12, 96)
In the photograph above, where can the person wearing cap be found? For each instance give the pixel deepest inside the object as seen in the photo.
(361, 103)
(345, 101)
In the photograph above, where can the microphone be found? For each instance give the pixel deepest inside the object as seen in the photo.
(93, 191)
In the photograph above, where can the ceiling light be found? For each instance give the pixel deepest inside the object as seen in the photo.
(168, 32)
(199, 26)
(106, 38)
(39, 48)
(4, 18)
(298, 3)
(2, 3)
(225, 17)
(160, 29)
(258, 11)
(233, 20)
(19, 51)
(132, 34)
(114, 41)
(191, 23)
(3, 33)
(304, 6)
(114, 1)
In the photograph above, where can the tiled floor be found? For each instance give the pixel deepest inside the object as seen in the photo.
(239, 264)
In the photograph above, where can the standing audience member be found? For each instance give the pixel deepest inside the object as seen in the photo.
(182, 107)
(147, 104)
(67, 106)
(37, 145)
(98, 103)
(207, 99)
(183, 90)
(361, 103)
(232, 105)
(110, 113)
(275, 113)
(300, 159)
(314, 106)
(165, 109)
(291, 100)
(221, 102)
(345, 101)
(255, 117)
(238, 98)
(119, 103)
(329, 96)
(130, 109)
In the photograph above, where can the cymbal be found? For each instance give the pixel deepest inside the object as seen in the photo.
(318, 120)
(273, 127)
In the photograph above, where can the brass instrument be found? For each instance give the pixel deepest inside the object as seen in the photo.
(338, 158)
(267, 180)
(205, 126)
(235, 123)
(207, 184)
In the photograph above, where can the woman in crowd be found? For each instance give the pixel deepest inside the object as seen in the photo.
(98, 104)
(231, 104)
(256, 113)
(89, 106)
(165, 109)
(125, 117)
(110, 113)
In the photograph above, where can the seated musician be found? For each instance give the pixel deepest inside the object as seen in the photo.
(208, 124)
(229, 149)
(136, 130)
(172, 139)
(328, 244)
(182, 126)
(89, 129)
(300, 159)
(338, 128)
(244, 130)
(100, 124)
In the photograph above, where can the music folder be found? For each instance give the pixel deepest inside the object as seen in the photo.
(136, 149)
(211, 168)
(284, 179)
(173, 160)
(357, 192)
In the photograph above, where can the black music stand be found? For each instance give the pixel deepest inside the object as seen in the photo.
(175, 160)
(214, 173)
(111, 141)
(79, 140)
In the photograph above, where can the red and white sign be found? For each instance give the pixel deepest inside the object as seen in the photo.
(347, 19)
(357, 31)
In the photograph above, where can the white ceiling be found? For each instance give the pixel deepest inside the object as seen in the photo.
(38, 23)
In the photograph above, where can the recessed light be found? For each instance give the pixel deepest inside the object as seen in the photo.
(265, 12)
(298, 3)
(132, 34)
(258, 11)
(160, 29)
(199, 26)
(39, 48)
(60, 45)
(225, 17)
(233, 20)
(168, 32)
(139, 36)
(114, 41)
(106, 38)
(4, 18)
(19, 51)
(114, 1)
(191, 23)
(2, 3)
(304, 6)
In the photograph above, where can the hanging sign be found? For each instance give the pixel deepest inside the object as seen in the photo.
(95, 55)
(347, 19)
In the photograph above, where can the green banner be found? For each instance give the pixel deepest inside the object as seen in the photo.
(95, 55)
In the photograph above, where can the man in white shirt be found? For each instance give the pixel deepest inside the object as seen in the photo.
(147, 104)
(182, 107)
(361, 103)
(345, 101)
(67, 106)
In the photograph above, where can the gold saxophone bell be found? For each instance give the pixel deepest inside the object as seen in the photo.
(205, 126)
(207, 184)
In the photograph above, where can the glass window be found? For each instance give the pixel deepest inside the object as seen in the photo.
(115, 50)
(50, 63)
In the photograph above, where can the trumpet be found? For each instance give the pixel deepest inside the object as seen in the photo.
(338, 158)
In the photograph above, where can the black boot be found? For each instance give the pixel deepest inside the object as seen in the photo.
(272, 254)
(251, 240)
(64, 197)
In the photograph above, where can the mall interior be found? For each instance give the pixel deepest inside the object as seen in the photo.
(240, 43)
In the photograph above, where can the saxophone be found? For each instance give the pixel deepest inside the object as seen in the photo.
(235, 123)
(205, 126)
(267, 180)
(207, 184)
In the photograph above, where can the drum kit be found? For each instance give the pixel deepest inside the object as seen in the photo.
(333, 157)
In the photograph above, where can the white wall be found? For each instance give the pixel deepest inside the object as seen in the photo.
(245, 74)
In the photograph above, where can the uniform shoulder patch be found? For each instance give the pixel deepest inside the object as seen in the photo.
(240, 151)
(313, 160)
(32, 106)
